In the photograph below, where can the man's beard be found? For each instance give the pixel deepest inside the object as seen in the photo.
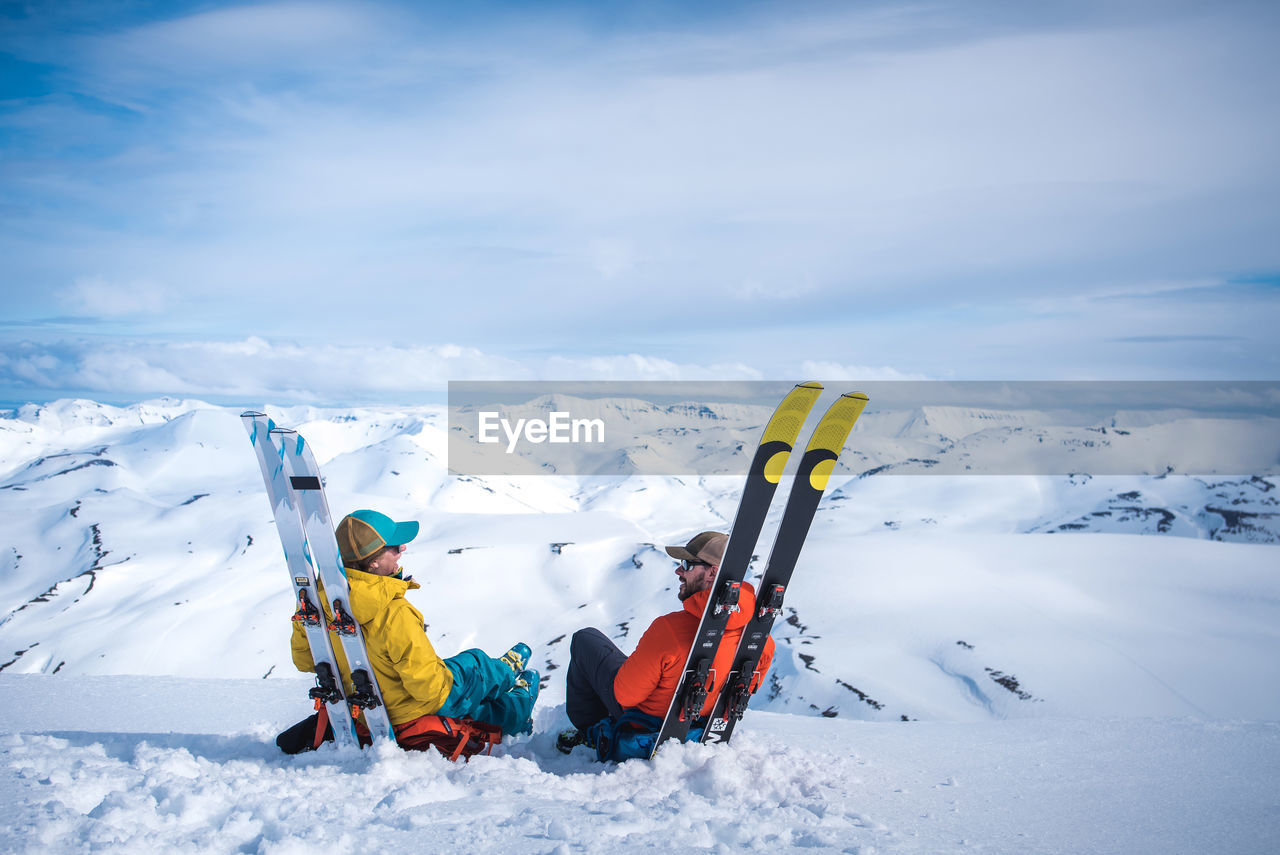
(687, 591)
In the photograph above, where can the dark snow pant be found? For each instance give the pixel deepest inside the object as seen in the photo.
(594, 661)
(302, 736)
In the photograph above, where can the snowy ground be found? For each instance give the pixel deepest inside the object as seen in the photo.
(121, 764)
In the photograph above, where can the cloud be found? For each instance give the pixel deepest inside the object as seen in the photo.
(612, 258)
(537, 182)
(234, 43)
(634, 366)
(284, 372)
(1177, 339)
(251, 368)
(837, 371)
(731, 150)
(98, 298)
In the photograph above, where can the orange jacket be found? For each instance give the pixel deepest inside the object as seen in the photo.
(649, 677)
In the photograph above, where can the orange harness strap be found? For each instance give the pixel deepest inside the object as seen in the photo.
(457, 732)
(322, 723)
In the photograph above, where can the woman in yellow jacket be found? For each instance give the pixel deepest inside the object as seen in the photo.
(413, 679)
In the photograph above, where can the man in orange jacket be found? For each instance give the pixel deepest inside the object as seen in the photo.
(602, 681)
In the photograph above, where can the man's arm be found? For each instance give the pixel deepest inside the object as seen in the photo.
(641, 675)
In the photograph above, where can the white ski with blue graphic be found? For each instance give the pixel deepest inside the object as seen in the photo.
(302, 574)
(317, 523)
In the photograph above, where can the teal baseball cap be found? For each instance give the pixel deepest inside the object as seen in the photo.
(364, 532)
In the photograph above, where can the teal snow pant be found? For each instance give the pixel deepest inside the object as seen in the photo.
(482, 689)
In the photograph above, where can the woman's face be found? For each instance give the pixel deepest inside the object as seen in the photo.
(387, 561)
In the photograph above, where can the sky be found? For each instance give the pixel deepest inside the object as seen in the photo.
(351, 202)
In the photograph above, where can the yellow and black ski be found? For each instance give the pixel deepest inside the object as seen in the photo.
(810, 482)
(698, 681)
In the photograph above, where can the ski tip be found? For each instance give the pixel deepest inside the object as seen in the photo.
(789, 417)
(253, 423)
(833, 430)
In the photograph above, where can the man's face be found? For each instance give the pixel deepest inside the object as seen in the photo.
(694, 577)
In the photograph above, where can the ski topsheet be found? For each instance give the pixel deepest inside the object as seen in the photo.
(810, 482)
(771, 455)
(302, 574)
(304, 480)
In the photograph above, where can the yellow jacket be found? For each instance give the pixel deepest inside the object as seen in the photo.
(413, 679)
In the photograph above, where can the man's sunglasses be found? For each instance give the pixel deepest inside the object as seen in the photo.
(689, 565)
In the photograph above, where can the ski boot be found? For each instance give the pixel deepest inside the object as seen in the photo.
(517, 657)
(571, 739)
(527, 683)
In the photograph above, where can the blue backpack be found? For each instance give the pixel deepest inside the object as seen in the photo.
(630, 736)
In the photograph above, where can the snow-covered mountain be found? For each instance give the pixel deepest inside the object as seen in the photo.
(138, 540)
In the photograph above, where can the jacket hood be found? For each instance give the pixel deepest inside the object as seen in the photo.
(697, 604)
(371, 594)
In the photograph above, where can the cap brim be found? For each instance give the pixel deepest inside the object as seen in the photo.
(681, 554)
(405, 532)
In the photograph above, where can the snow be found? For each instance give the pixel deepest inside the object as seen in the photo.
(1004, 663)
(129, 764)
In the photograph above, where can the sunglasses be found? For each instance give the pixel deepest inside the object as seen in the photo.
(690, 565)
